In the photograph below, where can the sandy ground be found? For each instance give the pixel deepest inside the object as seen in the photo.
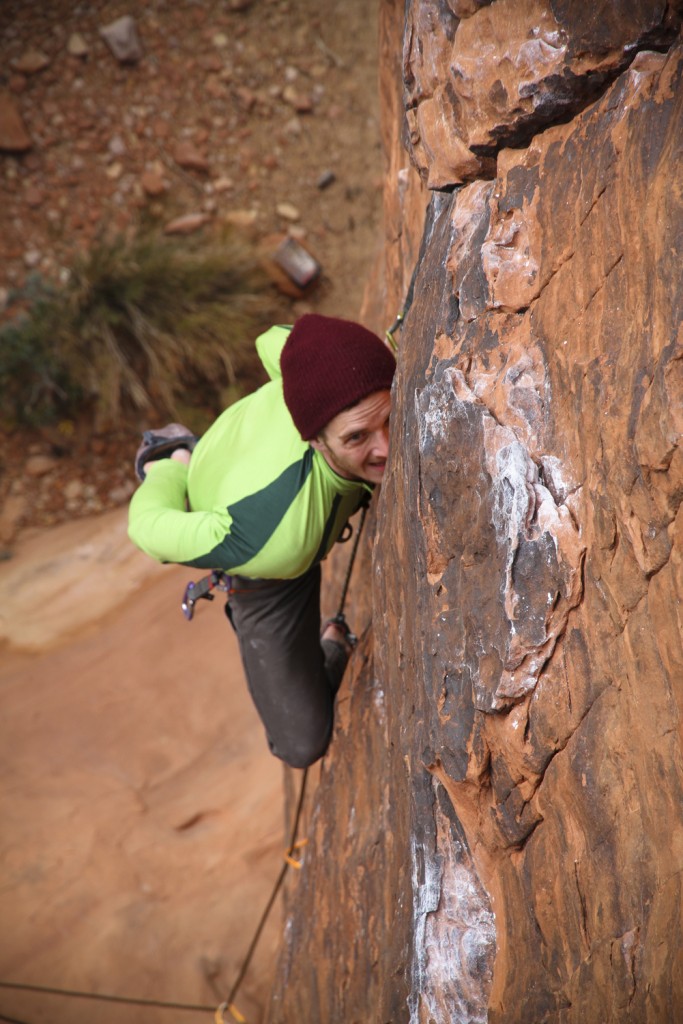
(142, 822)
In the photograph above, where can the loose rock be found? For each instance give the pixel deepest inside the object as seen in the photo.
(242, 218)
(302, 104)
(117, 495)
(73, 490)
(223, 184)
(32, 258)
(288, 211)
(187, 155)
(31, 62)
(121, 37)
(13, 135)
(39, 465)
(326, 179)
(77, 45)
(153, 183)
(34, 197)
(187, 224)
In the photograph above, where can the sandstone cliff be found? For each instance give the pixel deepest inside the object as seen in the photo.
(497, 834)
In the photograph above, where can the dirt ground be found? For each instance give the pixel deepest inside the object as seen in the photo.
(142, 818)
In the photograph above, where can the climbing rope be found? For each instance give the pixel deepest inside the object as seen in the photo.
(289, 861)
(104, 998)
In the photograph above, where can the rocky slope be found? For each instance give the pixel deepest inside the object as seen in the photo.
(497, 836)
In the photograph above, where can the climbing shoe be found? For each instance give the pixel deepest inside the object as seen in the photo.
(346, 638)
(160, 444)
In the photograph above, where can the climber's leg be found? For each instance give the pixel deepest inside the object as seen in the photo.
(292, 676)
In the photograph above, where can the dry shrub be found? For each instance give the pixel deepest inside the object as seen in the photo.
(150, 326)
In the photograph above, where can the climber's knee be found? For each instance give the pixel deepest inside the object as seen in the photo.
(301, 751)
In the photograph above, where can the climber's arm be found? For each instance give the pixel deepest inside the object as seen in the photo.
(269, 347)
(159, 523)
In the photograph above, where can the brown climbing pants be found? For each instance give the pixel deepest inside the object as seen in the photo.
(292, 675)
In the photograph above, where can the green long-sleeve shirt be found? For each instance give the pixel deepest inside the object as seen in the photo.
(262, 502)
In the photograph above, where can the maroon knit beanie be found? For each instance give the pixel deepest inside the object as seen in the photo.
(329, 364)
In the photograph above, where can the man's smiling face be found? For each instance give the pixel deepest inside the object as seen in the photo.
(356, 442)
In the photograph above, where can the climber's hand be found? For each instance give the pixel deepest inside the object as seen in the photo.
(182, 455)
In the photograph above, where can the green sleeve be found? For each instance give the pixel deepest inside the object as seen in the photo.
(269, 347)
(158, 520)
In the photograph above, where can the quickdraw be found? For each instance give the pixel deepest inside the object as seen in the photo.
(203, 589)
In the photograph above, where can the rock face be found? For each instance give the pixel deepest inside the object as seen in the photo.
(498, 831)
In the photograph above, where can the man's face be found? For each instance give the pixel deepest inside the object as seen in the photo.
(356, 442)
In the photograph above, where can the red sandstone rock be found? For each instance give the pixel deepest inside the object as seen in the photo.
(188, 156)
(153, 183)
(509, 70)
(436, 147)
(497, 833)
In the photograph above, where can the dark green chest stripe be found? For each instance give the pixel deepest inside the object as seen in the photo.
(256, 517)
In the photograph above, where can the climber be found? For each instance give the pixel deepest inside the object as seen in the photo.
(264, 495)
